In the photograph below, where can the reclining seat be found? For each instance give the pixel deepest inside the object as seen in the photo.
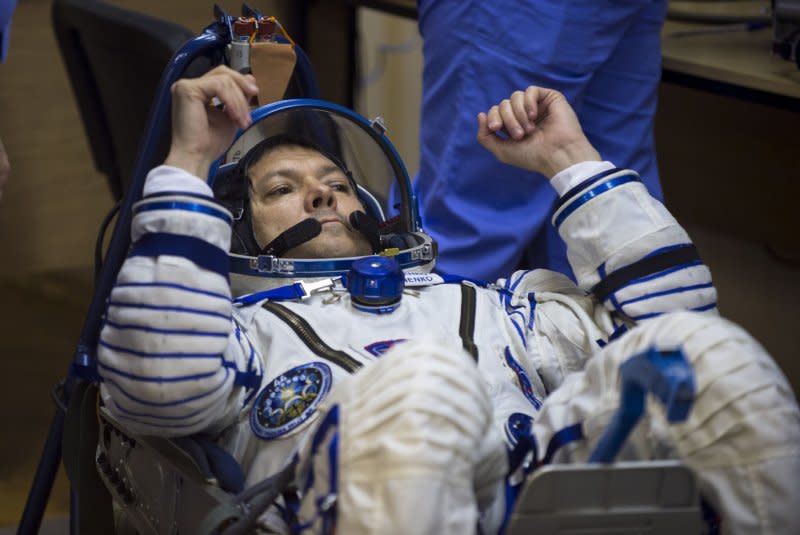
(190, 485)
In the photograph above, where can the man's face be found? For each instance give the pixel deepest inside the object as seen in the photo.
(291, 183)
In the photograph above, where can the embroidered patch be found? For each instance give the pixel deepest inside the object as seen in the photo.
(379, 348)
(289, 400)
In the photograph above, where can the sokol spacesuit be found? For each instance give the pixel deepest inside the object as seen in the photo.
(402, 411)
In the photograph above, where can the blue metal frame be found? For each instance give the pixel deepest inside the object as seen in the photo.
(209, 44)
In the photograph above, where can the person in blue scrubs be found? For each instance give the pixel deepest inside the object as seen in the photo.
(603, 55)
(6, 11)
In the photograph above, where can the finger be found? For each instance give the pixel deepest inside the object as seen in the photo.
(518, 107)
(510, 122)
(485, 133)
(225, 99)
(246, 81)
(487, 137)
(532, 102)
(494, 122)
(228, 90)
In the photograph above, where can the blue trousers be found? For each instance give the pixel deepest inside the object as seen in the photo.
(604, 55)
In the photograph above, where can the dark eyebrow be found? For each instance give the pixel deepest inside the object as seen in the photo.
(291, 173)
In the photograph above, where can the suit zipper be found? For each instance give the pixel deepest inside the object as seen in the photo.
(310, 338)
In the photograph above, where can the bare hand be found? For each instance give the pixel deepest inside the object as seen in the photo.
(543, 133)
(201, 131)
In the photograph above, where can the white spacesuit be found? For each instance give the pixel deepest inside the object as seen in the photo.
(396, 427)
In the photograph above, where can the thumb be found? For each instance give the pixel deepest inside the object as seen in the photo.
(488, 139)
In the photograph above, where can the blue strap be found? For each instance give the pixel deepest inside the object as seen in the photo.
(202, 253)
(282, 293)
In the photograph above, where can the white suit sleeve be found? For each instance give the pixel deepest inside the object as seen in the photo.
(172, 359)
(625, 247)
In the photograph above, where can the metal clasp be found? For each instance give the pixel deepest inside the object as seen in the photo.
(315, 286)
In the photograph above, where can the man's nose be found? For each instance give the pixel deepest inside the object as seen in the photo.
(320, 196)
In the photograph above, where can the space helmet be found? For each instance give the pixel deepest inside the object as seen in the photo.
(389, 221)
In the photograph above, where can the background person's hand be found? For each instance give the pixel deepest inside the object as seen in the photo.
(200, 130)
(542, 132)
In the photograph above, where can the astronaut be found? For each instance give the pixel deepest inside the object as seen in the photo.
(401, 394)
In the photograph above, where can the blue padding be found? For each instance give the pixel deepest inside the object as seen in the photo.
(219, 213)
(591, 194)
(199, 251)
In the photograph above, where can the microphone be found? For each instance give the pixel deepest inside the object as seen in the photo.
(293, 236)
(368, 226)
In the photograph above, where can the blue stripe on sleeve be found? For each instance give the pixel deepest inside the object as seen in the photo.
(187, 310)
(185, 206)
(680, 289)
(173, 403)
(679, 267)
(583, 185)
(668, 248)
(181, 332)
(202, 253)
(591, 194)
(173, 286)
(149, 379)
(702, 308)
(133, 414)
(155, 355)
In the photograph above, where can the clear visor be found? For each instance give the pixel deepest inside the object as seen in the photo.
(341, 135)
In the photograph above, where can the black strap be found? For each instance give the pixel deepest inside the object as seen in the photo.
(466, 326)
(646, 266)
(81, 433)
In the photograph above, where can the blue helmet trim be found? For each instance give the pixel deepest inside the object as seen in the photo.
(290, 268)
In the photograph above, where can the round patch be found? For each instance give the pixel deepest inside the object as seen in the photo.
(289, 400)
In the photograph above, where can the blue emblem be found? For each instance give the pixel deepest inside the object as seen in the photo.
(289, 400)
(377, 349)
(518, 426)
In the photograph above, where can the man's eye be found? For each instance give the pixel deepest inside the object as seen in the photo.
(281, 190)
(341, 187)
